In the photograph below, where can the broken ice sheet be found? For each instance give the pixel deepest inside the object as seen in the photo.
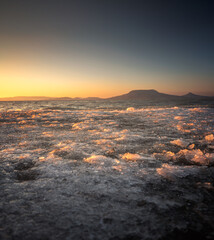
(69, 169)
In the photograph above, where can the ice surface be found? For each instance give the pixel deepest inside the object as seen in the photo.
(98, 170)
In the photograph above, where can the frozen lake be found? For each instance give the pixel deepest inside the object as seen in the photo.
(98, 170)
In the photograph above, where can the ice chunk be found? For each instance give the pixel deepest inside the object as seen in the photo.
(194, 156)
(179, 142)
(131, 156)
(210, 158)
(170, 155)
(130, 109)
(191, 146)
(171, 172)
(209, 138)
(178, 118)
(97, 159)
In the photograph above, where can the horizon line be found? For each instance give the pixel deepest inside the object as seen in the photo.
(102, 98)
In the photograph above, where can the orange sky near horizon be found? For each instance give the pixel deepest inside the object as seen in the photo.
(31, 81)
(38, 71)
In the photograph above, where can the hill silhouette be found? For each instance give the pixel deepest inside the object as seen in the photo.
(144, 95)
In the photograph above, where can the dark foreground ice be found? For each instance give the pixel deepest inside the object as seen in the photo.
(82, 170)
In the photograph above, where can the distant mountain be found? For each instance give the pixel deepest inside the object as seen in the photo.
(153, 95)
(23, 98)
(92, 98)
(31, 98)
(42, 98)
(144, 95)
(192, 95)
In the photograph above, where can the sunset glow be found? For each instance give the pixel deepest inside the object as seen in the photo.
(71, 62)
(106, 119)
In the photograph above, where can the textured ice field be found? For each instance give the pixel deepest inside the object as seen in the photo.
(83, 170)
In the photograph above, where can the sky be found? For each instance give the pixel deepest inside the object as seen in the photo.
(104, 48)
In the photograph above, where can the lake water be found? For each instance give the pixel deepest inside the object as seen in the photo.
(106, 170)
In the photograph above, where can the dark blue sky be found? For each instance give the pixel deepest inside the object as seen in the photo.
(170, 38)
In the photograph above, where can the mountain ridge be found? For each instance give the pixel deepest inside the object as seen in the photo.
(150, 94)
